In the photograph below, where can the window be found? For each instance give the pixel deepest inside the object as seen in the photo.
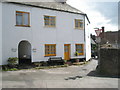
(22, 18)
(50, 49)
(79, 24)
(79, 49)
(50, 21)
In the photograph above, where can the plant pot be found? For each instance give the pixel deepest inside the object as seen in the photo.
(77, 60)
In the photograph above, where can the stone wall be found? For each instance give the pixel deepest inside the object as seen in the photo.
(109, 62)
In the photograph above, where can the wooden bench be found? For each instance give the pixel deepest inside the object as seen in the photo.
(55, 61)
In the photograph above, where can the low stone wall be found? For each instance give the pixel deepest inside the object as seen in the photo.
(109, 62)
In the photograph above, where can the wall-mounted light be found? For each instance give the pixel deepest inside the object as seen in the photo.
(34, 49)
(13, 49)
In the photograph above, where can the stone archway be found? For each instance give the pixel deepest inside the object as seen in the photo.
(24, 52)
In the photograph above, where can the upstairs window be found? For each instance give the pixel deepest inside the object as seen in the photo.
(22, 18)
(50, 21)
(79, 24)
(80, 49)
(50, 49)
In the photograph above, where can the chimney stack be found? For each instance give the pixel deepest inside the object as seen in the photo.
(103, 30)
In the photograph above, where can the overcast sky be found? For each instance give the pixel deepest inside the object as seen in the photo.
(100, 13)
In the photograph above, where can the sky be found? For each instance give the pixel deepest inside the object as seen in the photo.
(100, 13)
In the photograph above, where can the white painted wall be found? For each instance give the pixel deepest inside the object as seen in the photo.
(38, 34)
(0, 33)
(88, 40)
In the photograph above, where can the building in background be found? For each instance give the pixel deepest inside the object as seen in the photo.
(111, 38)
(94, 46)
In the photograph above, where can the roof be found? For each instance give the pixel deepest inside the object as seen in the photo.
(111, 37)
(52, 5)
(58, 6)
(92, 41)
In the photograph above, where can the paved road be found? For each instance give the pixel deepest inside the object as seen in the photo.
(67, 77)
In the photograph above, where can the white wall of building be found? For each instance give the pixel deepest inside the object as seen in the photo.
(37, 34)
(88, 40)
(0, 33)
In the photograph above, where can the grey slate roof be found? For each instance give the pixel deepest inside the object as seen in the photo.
(53, 5)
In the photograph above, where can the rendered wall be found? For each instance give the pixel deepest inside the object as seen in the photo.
(0, 33)
(87, 40)
(37, 34)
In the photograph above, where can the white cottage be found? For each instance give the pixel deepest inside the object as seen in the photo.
(39, 30)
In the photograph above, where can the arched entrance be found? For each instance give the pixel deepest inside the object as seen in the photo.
(24, 52)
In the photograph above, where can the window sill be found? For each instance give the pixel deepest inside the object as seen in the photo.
(79, 28)
(80, 54)
(50, 55)
(50, 26)
(22, 25)
(77, 57)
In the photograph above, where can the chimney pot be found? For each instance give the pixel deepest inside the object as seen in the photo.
(103, 29)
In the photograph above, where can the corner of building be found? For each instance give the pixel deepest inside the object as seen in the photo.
(87, 40)
(0, 33)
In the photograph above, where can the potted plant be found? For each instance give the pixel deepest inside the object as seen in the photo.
(77, 54)
(12, 61)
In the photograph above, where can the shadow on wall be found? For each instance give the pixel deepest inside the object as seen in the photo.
(109, 63)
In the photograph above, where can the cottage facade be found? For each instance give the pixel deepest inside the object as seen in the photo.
(37, 31)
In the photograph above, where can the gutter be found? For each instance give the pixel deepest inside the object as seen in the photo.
(87, 18)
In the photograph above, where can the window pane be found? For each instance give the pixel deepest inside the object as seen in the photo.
(80, 51)
(76, 23)
(46, 17)
(52, 18)
(52, 52)
(52, 22)
(49, 20)
(19, 20)
(26, 21)
(46, 52)
(79, 48)
(52, 46)
(46, 23)
(81, 25)
(50, 49)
